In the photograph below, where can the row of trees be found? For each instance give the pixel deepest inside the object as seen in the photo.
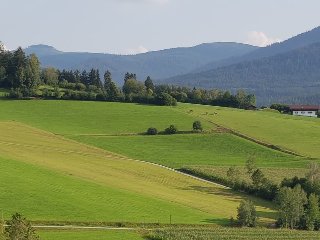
(297, 198)
(23, 75)
(19, 72)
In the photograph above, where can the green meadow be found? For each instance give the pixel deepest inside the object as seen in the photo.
(66, 180)
(296, 133)
(80, 117)
(88, 234)
(67, 161)
(180, 150)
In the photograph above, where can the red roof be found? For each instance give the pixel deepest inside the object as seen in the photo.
(304, 107)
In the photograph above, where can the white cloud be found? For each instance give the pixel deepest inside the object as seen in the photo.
(137, 50)
(260, 39)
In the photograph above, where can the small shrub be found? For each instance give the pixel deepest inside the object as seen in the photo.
(152, 131)
(197, 126)
(15, 93)
(171, 130)
(46, 93)
(165, 99)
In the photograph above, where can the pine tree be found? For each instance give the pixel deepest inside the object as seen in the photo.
(149, 84)
(84, 77)
(107, 80)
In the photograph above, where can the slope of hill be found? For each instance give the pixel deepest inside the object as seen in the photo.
(52, 178)
(285, 75)
(296, 42)
(157, 64)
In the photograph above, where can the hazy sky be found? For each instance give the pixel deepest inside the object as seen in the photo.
(132, 26)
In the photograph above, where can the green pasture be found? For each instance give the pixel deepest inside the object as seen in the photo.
(46, 177)
(180, 150)
(88, 235)
(296, 133)
(233, 234)
(81, 117)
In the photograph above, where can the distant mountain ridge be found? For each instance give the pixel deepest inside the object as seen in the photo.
(157, 64)
(283, 76)
(299, 41)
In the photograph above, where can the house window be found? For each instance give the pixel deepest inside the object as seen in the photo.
(302, 112)
(310, 112)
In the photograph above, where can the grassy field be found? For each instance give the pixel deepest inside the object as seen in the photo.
(88, 235)
(177, 151)
(80, 117)
(233, 234)
(66, 180)
(299, 134)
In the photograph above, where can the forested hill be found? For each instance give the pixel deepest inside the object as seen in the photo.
(286, 75)
(299, 41)
(157, 64)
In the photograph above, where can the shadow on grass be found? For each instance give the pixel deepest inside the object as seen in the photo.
(235, 196)
(219, 221)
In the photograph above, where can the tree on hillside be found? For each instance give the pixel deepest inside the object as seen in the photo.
(291, 205)
(197, 126)
(132, 86)
(128, 76)
(107, 80)
(32, 73)
(247, 214)
(258, 178)
(250, 164)
(114, 92)
(241, 97)
(250, 100)
(49, 76)
(17, 69)
(84, 78)
(312, 213)
(233, 174)
(20, 229)
(149, 84)
(313, 175)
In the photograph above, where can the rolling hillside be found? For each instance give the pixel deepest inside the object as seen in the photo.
(287, 75)
(299, 41)
(157, 64)
(72, 161)
(68, 181)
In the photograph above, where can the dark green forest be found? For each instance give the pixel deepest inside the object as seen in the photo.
(288, 76)
(299, 41)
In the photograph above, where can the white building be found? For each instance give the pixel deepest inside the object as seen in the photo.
(304, 110)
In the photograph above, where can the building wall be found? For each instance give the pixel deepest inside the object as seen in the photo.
(305, 113)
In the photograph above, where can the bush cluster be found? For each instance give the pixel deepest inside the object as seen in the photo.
(152, 131)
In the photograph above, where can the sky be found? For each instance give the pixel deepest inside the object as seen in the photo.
(137, 26)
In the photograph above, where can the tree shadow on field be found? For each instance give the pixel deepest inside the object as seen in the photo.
(235, 196)
(217, 221)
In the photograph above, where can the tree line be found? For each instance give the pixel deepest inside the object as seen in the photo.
(23, 75)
